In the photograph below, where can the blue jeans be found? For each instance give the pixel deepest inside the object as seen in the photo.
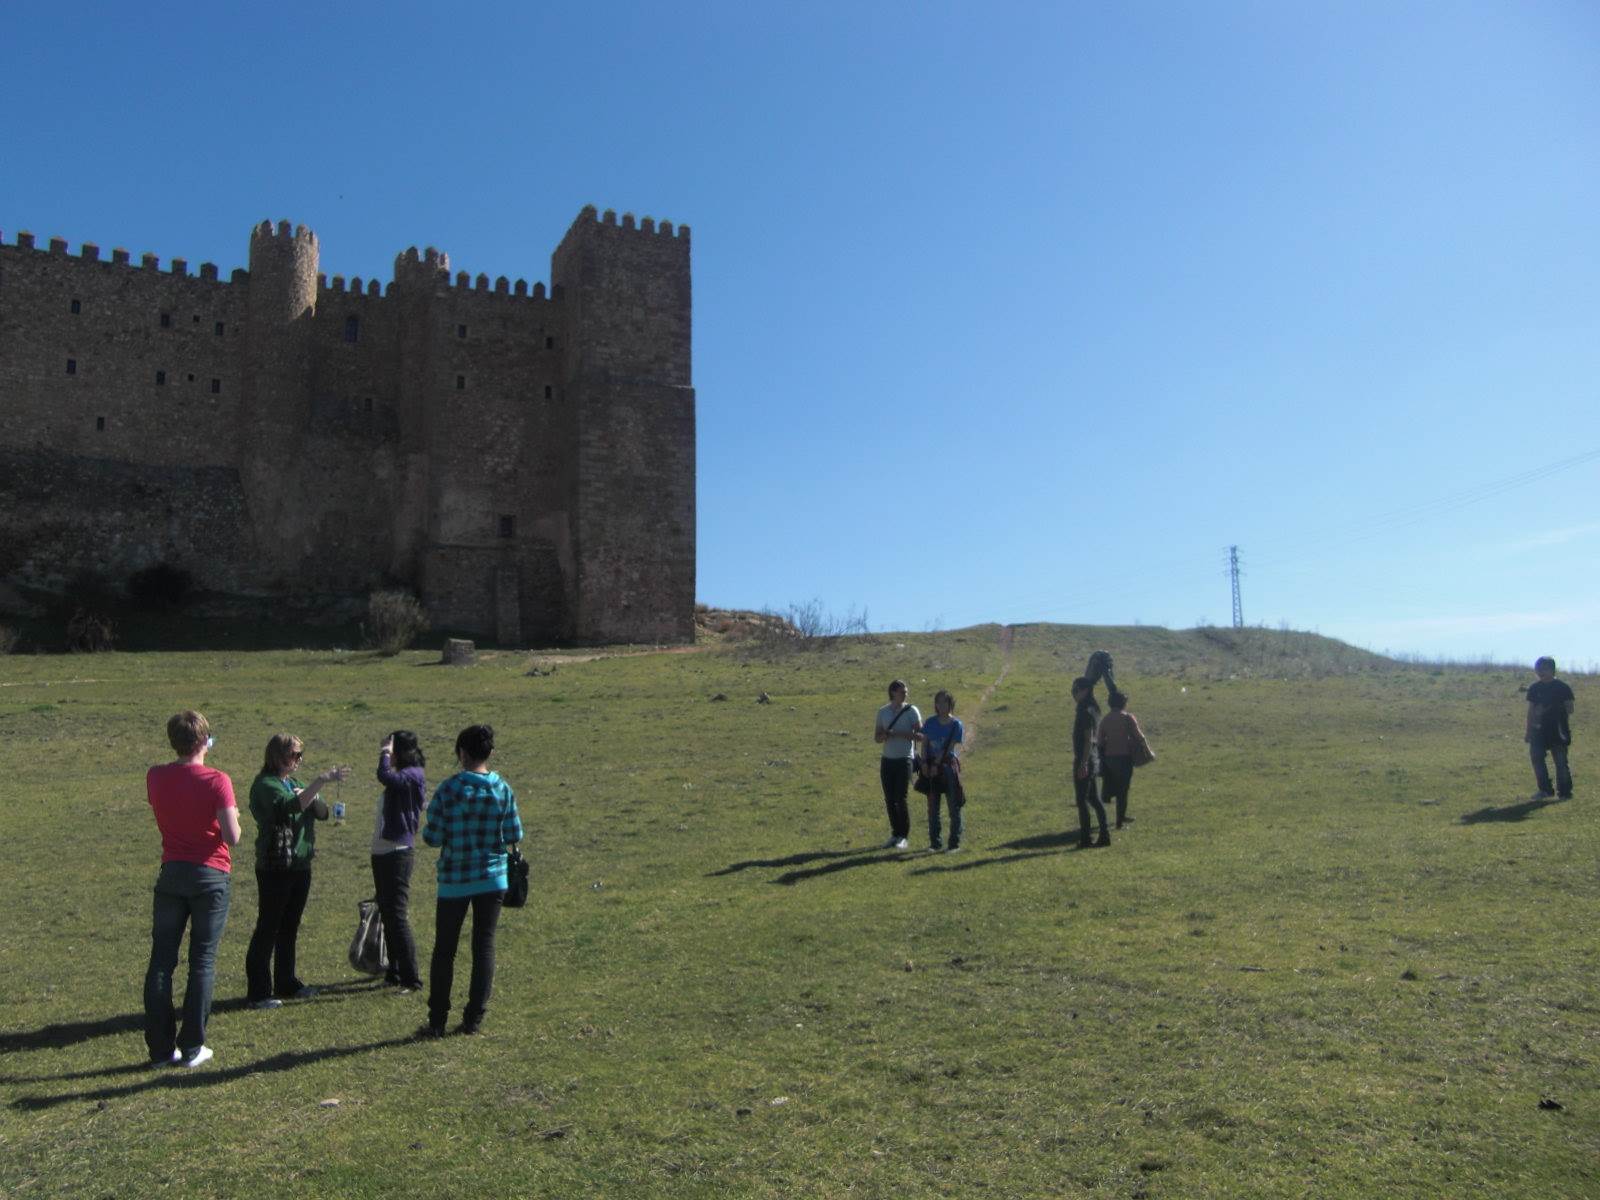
(184, 892)
(1538, 746)
(941, 786)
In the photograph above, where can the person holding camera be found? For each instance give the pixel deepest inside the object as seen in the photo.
(286, 841)
(405, 793)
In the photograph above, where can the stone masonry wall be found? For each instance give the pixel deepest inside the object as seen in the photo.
(523, 460)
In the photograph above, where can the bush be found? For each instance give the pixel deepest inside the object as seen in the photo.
(806, 626)
(89, 632)
(394, 620)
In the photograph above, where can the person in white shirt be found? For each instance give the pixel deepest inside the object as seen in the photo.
(895, 730)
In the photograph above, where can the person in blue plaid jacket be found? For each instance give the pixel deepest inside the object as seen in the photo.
(472, 818)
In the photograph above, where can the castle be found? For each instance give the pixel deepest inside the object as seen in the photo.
(523, 460)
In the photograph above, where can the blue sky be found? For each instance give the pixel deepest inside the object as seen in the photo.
(1002, 311)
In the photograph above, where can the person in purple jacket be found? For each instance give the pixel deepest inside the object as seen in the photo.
(405, 795)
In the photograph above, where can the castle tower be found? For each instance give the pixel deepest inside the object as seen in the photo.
(419, 276)
(626, 378)
(277, 392)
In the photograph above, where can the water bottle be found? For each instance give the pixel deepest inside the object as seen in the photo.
(338, 812)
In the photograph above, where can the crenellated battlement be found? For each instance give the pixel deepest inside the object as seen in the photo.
(647, 225)
(427, 268)
(89, 252)
(298, 234)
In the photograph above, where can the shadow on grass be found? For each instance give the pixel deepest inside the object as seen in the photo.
(1510, 812)
(790, 878)
(793, 860)
(178, 1078)
(969, 864)
(70, 1033)
(1042, 841)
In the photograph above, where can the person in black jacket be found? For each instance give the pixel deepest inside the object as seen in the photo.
(1549, 730)
(1086, 761)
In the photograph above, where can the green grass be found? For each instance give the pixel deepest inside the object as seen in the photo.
(1335, 956)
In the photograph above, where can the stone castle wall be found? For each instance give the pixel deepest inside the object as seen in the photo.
(523, 459)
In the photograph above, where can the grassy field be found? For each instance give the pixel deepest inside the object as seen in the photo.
(1339, 954)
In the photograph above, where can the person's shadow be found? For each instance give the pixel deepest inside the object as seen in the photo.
(179, 1078)
(70, 1033)
(792, 860)
(1508, 812)
(1039, 845)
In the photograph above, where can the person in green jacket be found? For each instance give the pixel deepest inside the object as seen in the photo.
(286, 841)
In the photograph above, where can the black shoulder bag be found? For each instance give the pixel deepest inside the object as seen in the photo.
(516, 879)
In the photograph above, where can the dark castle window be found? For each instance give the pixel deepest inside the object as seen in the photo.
(72, 366)
(367, 404)
(77, 307)
(161, 377)
(216, 386)
(549, 343)
(352, 329)
(100, 424)
(461, 331)
(508, 526)
(461, 383)
(166, 320)
(549, 392)
(217, 329)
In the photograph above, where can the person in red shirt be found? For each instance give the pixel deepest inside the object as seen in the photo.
(198, 819)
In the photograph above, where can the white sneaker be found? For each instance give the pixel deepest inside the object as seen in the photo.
(899, 844)
(891, 843)
(269, 1002)
(201, 1054)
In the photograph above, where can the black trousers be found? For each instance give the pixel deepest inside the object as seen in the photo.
(269, 962)
(1088, 797)
(1117, 771)
(895, 773)
(391, 877)
(450, 914)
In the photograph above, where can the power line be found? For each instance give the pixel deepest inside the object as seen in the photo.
(1233, 574)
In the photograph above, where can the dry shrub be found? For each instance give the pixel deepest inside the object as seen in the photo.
(394, 620)
(90, 632)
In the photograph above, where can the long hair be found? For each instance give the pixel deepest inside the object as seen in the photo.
(407, 753)
(281, 748)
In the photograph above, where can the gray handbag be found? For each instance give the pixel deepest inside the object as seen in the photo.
(369, 954)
